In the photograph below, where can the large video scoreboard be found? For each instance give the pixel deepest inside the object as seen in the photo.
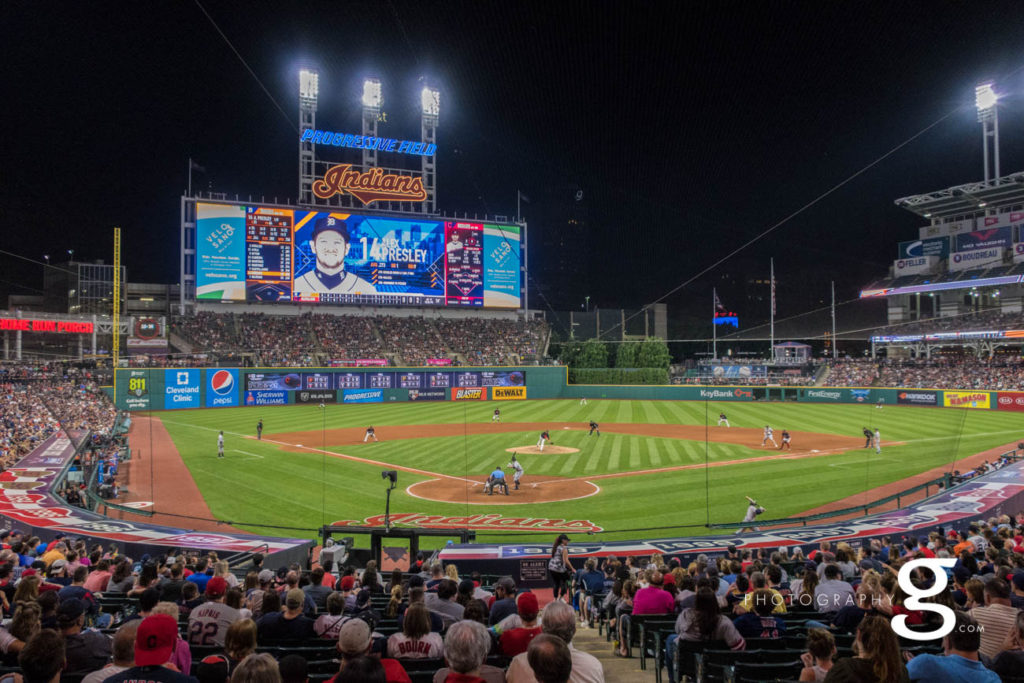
(267, 254)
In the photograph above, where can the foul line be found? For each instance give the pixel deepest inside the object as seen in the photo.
(247, 453)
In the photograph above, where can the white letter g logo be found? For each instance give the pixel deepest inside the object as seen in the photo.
(914, 601)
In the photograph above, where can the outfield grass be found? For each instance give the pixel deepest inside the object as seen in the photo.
(259, 485)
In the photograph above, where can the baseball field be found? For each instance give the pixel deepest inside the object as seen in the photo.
(659, 468)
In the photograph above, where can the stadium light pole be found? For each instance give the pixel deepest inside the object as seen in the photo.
(430, 110)
(986, 99)
(309, 92)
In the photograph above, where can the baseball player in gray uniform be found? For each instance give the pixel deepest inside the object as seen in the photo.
(517, 475)
(330, 244)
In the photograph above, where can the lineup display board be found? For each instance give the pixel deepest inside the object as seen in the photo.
(271, 254)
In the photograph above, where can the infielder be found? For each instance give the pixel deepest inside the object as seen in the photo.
(594, 427)
(220, 445)
(769, 435)
(259, 430)
(722, 418)
(370, 434)
(497, 416)
(518, 474)
(877, 438)
(785, 441)
(753, 510)
(544, 438)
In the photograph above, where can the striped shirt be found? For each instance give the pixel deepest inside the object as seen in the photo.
(996, 621)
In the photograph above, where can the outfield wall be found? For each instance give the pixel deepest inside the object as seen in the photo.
(145, 389)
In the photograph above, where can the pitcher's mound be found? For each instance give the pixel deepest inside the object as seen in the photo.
(549, 449)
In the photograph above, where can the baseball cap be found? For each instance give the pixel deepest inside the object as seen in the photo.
(294, 598)
(467, 586)
(363, 598)
(416, 581)
(57, 565)
(266, 576)
(216, 587)
(526, 605)
(1018, 581)
(347, 582)
(354, 637)
(155, 640)
(70, 609)
(961, 574)
(326, 223)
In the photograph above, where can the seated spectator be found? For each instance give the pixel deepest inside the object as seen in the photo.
(294, 669)
(84, 651)
(515, 640)
(821, 648)
(559, 620)
(327, 625)
(758, 581)
(154, 645)
(504, 600)
(42, 658)
(208, 623)
(416, 640)
(239, 643)
(316, 590)
(364, 669)
(257, 668)
(443, 602)
(702, 622)
(760, 623)
(466, 646)
(550, 659)
(356, 640)
(123, 650)
(832, 594)
(960, 663)
(291, 624)
(1010, 662)
(996, 618)
(182, 657)
(878, 655)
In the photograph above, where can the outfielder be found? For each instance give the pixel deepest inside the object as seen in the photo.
(785, 441)
(722, 418)
(753, 510)
(220, 445)
(497, 416)
(769, 435)
(594, 427)
(370, 434)
(518, 474)
(583, 401)
(544, 438)
(259, 430)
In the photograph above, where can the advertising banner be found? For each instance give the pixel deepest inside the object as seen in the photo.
(1018, 252)
(737, 371)
(137, 395)
(464, 269)
(181, 389)
(933, 246)
(316, 396)
(363, 396)
(967, 399)
(428, 395)
(1010, 400)
(501, 266)
(989, 238)
(220, 252)
(272, 381)
(266, 398)
(727, 394)
(913, 266)
(821, 395)
(439, 361)
(503, 379)
(469, 394)
(914, 397)
(508, 393)
(860, 395)
(980, 258)
(221, 388)
(359, 363)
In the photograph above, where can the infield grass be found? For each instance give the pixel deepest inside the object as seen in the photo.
(261, 488)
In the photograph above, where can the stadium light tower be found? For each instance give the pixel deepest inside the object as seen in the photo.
(372, 99)
(430, 106)
(986, 99)
(309, 91)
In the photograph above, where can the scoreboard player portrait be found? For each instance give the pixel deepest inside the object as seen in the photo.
(330, 243)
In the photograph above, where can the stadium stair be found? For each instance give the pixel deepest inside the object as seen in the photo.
(622, 669)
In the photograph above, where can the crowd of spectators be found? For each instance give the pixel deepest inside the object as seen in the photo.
(983, 320)
(1000, 373)
(317, 339)
(852, 373)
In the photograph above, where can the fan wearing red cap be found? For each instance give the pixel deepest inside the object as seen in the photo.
(516, 640)
(208, 624)
(154, 644)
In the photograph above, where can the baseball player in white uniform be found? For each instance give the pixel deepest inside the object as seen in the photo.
(877, 441)
(544, 437)
(330, 244)
(722, 418)
(220, 445)
(769, 435)
(518, 474)
(496, 417)
(583, 401)
(370, 434)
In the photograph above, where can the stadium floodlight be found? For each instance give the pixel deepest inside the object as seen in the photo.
(430, 99)
(309, 84)
(985, 99)
(372, 93)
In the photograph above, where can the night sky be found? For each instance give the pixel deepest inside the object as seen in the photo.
(690, 128)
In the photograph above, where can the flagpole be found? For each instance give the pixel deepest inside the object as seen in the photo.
(190, 176)
(773, 309)
(519, 212)
(714, 327)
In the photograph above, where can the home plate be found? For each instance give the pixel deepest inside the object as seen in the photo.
(298, 445)
(815, 450)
